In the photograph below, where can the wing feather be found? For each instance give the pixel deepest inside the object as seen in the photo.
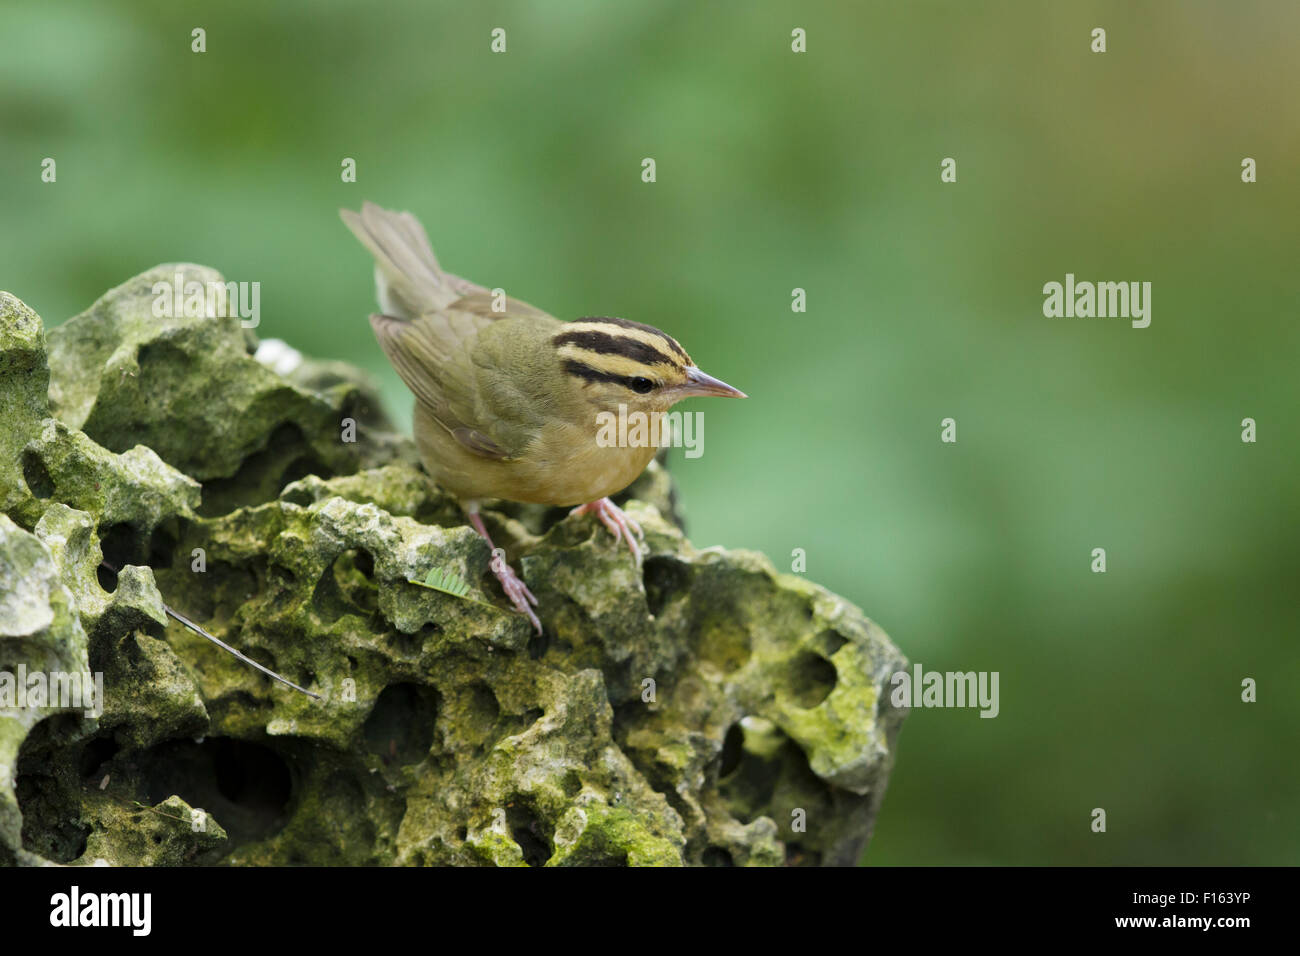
(430, 331)
(435, 355)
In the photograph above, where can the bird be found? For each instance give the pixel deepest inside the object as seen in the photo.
(509, 399)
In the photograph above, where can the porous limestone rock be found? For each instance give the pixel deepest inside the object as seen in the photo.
(704, 709)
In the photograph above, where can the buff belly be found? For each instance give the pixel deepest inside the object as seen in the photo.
(545, 475)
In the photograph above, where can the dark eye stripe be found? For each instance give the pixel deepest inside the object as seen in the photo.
(589, 374)
(629, 324)
(605, 344)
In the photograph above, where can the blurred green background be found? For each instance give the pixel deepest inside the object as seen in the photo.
(820, 171)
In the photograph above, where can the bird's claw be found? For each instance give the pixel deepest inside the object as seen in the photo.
(619, 523)
(517, 591)
(511, 583)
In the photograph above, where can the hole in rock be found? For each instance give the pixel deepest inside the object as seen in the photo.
(286, 457)
(732, 749)
(716, 856)
(95, 754)
(107, 578)
(347, 587)
(36, 476)
(48, 791)
(162, 547)
(244, 785)
(482, 709)
(808, 679)
(829, 642)
(537, 645)
(401, 724)
(121, 545)
(665, 578)
(772, 779)
(572, 783)
(300, 496)
(528, 830)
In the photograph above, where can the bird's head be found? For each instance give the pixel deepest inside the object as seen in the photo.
(615, 362)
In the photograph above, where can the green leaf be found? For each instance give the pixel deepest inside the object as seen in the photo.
(448, 582)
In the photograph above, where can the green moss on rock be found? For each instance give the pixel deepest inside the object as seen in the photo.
(702, 710)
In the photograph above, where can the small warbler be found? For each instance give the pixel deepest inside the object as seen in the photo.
(508, 398)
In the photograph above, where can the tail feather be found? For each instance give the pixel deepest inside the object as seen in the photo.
(408, 280)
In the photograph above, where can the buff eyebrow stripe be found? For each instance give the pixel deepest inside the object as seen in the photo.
(605, 344)
(629, 324)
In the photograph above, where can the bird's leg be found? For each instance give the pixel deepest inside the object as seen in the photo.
(616, 520)
(511, 583)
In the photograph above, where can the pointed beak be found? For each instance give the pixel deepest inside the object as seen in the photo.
(701, 383)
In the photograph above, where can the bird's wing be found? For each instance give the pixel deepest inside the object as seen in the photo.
(430, 327)
(434, 354)
(485, 305)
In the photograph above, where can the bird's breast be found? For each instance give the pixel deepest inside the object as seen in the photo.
(568, 463)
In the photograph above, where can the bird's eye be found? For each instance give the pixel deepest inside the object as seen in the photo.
(642, 385)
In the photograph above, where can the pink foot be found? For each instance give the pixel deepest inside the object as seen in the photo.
(511, 583)
(616, 520)
(517, 591)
